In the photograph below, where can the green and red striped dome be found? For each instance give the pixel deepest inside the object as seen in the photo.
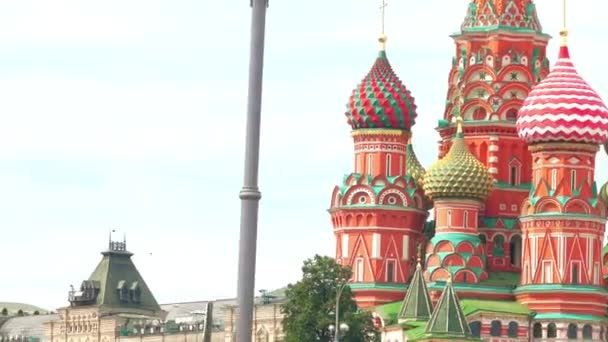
(381, 100)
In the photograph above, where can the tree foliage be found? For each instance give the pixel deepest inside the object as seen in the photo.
(311, 303)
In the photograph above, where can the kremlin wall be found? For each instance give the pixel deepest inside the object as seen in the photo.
(514, 250)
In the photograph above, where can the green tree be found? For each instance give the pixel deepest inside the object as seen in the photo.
(4, 312)
(311, 303)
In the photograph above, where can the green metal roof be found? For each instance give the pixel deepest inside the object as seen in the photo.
(417, 303)
(448, 318)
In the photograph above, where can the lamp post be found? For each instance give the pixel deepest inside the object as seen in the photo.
(338, 328)
(250, 194)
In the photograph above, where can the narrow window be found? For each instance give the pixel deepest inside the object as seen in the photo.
(465, 219)
(513, 175)
(390, 271)
(575, 275)
(388, 165)
(401, 166)
(553, 179)
(345, 246)
(495, 328)
(475, 327)
(449, 218)
(370, 162)
(537, 330)
(360, 270)
(551, 330)
(573, 180)
(547, 272)
(513, 328)
(587, 332)
(572, 331)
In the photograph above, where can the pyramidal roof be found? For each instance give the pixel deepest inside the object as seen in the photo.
(448, 318)
(417, 303)
(116, 285)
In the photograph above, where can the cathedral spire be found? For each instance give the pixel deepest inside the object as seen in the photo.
(417, 303)
(382, 38)
(448, 318)
(564, 31)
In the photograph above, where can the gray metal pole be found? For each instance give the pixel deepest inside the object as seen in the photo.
(250, 194)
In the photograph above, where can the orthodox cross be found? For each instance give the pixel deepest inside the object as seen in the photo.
(383, 13)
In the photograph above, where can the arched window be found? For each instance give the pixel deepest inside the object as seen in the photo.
(512, 114)
(537, 330)
(388, 165)
(587, 332)
(575, 273)
(551, 330)
(495, 328)
(498, 248)
(515, 251)
(572, 331)
(513, 328)
(475, 327)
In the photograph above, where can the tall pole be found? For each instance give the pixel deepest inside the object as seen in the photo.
(337, 326)
(250, 194)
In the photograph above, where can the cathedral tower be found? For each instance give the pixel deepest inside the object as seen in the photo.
(564, 121)
(379, 210)
(499, 56)
(458, 184)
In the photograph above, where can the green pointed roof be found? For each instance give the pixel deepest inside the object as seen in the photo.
(414, 168)
(448, 318)
(116, 285)
(417, 303)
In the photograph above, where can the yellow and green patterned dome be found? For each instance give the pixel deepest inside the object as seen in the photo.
(413, 166)
(603, 194)
(459, 174)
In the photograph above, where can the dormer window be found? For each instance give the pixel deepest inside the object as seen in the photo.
(135, 293)
(123, 291)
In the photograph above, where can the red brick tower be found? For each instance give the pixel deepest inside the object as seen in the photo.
(499, 56)
(379, 211)
(564, 121)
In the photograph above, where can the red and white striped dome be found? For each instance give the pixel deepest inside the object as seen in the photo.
(563, 107)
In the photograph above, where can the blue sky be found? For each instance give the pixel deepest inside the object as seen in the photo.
(130, 115)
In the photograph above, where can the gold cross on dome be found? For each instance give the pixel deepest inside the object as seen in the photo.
(383, 15)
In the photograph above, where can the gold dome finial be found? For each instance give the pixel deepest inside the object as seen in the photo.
(564, 31)
(382, 38)
(449, 280)
(459, 121)
(418, 263)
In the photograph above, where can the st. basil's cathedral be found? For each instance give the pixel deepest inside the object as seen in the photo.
(514, 247)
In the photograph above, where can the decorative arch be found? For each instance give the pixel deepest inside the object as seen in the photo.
(504, 74)
(444, 246)
(509, 109)
(465, 247)
(475, 261)
(393, 196)
(477, 68)
(520, 89)
(469, 88)
(433, 261)
(465, 276)
(470, 107)
(548, 205)
(353, 179)
(440, 274)
(336, 197)
(355, 194)
(453, 260)
(577, 206)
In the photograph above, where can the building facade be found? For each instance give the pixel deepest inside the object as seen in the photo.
(518, 221)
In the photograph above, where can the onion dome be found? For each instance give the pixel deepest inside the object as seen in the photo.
(603, 193)
(459, 174)
(413, 166)
(563, 107)
(381, 100)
